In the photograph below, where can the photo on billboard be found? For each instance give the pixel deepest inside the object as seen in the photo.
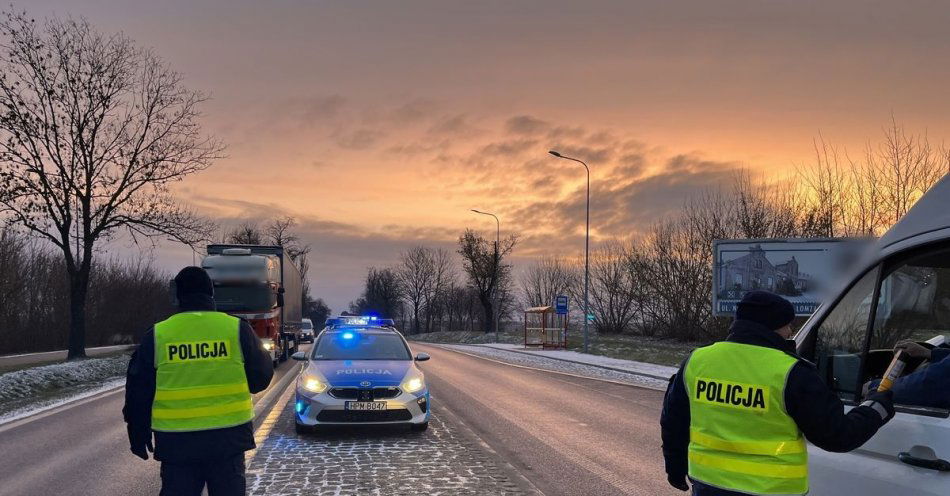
(800, 270)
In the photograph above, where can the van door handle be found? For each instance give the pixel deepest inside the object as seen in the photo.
(932, 464)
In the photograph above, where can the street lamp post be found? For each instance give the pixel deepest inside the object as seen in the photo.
(497, 241)
(586, 252)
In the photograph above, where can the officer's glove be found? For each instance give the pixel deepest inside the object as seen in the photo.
(679, 482)
(140, 443)
(882, 403)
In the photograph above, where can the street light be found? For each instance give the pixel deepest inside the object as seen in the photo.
(586, 251)
(497, 241)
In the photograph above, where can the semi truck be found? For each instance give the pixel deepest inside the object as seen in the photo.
(261, 285)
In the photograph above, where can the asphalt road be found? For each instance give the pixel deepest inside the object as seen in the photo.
(567, 435)
(79, 449)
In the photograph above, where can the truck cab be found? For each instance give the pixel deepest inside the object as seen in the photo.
(900, 290)
(251, 283)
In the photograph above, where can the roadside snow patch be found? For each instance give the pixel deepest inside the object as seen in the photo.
(30, 382)
(82, 392)
(556, 365)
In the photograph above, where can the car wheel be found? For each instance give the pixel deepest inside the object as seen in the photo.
(420, 427)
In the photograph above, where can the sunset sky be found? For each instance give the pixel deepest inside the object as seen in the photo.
(380, 124)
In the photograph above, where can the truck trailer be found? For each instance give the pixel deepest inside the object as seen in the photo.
(261, 285)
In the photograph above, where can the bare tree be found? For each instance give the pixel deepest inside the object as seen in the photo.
(611, 297)
(907, 166)
(445, 276)
(866, 196)
(482, 262)
(382, 294)
(543, 281)
(247, 233)
(416, 273)
(280, 232)
(94, 130)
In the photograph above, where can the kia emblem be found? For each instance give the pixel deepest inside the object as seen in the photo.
(366, 384)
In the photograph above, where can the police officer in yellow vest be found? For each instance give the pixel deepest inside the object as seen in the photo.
(190, 383)
(738, 412)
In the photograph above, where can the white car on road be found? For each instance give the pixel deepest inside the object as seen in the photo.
(850, 339)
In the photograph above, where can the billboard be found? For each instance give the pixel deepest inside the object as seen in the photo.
(797, 269)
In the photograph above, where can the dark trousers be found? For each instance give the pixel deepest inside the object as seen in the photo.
(223, 476)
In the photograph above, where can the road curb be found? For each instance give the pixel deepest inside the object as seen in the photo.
(615, 369)
(442, 346)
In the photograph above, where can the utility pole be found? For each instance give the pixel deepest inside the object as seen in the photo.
(496, 271)
(586, 253)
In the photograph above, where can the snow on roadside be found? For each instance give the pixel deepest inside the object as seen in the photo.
(28, 382)
(54, 401)
(559, 365)
(663, 372)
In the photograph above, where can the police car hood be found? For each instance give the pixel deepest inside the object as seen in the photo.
(343, 373)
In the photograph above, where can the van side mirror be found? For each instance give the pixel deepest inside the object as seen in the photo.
(421, 357)
(299, 356)
(280, 300)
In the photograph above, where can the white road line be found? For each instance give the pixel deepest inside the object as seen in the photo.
(547, 370)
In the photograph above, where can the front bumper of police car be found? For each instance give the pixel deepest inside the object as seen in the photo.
(319, 403)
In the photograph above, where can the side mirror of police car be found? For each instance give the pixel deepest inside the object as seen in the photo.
(299, 356)
(421, 357)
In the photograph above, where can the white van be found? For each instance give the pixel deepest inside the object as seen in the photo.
(850, 340)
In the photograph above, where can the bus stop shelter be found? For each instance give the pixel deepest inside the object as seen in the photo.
(545, 328)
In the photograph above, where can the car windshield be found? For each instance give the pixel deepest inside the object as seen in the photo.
(243, 298)
(306, 325)
(354, 345)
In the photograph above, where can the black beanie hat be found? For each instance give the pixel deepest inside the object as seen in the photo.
(765, 308)
(193, 280)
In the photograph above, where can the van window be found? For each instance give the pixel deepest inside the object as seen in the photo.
(914, 305)
(839, 341)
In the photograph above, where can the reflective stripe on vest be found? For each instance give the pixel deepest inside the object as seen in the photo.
(200, 382)
(741, 437)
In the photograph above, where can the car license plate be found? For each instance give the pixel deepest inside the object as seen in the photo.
(365, 405)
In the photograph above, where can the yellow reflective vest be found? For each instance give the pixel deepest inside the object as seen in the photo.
(200, 380)
(741, 437)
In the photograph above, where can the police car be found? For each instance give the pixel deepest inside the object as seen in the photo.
(358, 375)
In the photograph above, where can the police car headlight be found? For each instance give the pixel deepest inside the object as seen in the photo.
(313, 384)
(413, 385)
(268, 345)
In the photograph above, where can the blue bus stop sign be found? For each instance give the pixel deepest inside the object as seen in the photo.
(560, 304)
